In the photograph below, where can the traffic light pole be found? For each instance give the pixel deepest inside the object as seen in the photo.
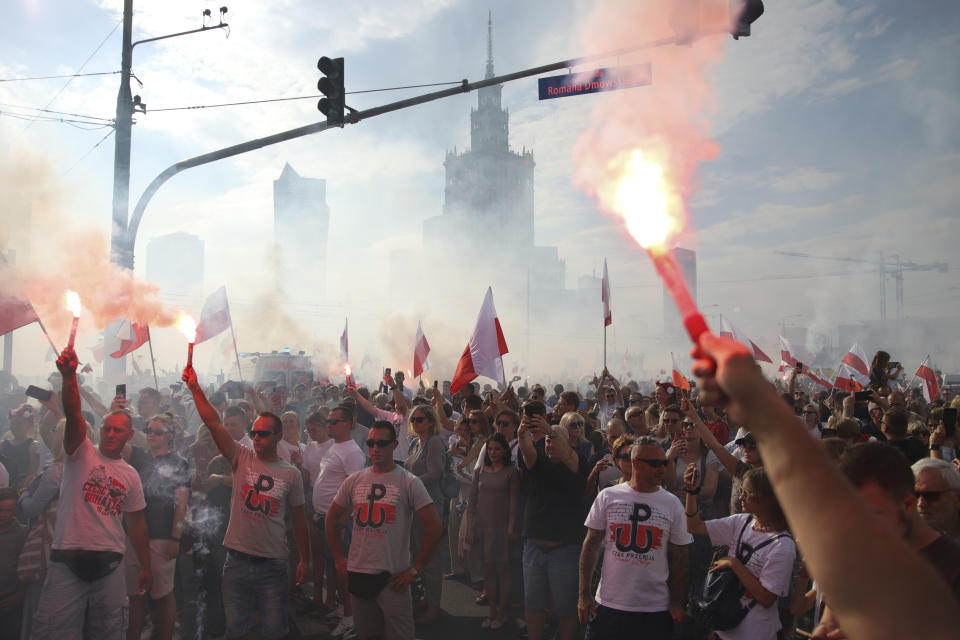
(355, 117)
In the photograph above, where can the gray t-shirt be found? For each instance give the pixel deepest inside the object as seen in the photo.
(383, 507)
(262, 492)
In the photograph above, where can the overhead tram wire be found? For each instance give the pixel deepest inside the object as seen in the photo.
(59, 113)
(69, 75)
(84, 156)
(310, 97)
(79, 69)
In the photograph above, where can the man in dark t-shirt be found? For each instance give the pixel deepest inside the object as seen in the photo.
(555, 477)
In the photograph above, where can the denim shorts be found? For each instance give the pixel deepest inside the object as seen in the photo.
(255, 584)
(551, 571)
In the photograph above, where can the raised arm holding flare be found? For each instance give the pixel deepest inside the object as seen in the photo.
(876, 584)
(211, 418)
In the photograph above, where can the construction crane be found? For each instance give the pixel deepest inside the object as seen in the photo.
(892, 266)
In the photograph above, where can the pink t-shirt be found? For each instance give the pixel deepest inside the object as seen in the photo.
(95, 492)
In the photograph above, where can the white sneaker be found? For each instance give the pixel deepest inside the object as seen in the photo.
(343, 631)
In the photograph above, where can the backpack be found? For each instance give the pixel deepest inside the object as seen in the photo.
(719, 605)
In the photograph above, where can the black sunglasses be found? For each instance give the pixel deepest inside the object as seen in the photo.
(622, 456)
(333, 421)
(262, 433)
(930, 496)
(383, 444)
(653, 463)
(504, 423)
(157, 432)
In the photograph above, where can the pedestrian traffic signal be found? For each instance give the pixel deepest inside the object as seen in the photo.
(743, 14)
(331, 86)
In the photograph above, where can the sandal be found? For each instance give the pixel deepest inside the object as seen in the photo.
(486, 624)
(498, 623)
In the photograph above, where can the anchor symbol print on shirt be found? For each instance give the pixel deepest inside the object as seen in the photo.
(378, 507)
(262, 497)
(633, 539)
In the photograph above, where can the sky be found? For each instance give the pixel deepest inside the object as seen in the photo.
(835, 124)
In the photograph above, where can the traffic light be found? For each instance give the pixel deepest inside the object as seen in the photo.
(331, 86)
(743, 14)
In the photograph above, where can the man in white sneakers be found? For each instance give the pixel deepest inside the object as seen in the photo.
(642, 591)
(341, 460)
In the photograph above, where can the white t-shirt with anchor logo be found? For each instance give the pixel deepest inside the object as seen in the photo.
(637, 529)
(383, 506)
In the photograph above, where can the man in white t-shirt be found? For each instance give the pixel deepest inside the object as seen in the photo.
(84, 595)
(265, 487)
(383, 500)
(342, 459)
(646, 561)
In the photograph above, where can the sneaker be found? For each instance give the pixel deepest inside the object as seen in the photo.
(343, 631)
(335, 615)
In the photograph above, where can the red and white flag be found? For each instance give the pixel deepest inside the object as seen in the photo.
(931, 388)
(792, 356)
(421, 349)
(132, 336)
(15, 312)
(679, 380)
(482, 356)
(728, 330)
(853, 373)
(345, 342)
(605, 296)
(214, 317)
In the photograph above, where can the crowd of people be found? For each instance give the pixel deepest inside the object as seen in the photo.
(734, 509)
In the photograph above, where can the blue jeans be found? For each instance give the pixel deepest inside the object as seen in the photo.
(255, 584)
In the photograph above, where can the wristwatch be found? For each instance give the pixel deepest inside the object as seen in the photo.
(413, 571)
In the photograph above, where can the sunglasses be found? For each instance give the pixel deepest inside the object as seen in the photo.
(418, 419)
(653, 463)
(333, 421)
(622, 456)
(383, 444)
(810, 413)
(156, 432)
(670, 420)
(262, 433)
(930, 496)
(504, 423)
(575, 425)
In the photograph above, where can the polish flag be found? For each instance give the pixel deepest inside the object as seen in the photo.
(791, 355)
(421, 349)
(132, 336)
(214, 317)
(483, 354)
(345, 343)
(728, 330)
(605, 295)
(931, 389)
(15, 312)
(679, 380)
(820, 379)
(853, 374)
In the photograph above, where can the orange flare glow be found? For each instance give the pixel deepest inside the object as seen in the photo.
(641, 192)
(188, 327)
(73, 303)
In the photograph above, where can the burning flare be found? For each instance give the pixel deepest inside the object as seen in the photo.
(640, 191)
(73, 303)
(188, 327)
(347, 371)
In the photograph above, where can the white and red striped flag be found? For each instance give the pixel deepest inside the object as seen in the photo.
(792, 356)
(483, 354)
(345, 342)
(421, 349)
(605, 296)
(679, 380)
(853, 373)
(214, 317)
(931, 388)
(132, 336)
(728, 330)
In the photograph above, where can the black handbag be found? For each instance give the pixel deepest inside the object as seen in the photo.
(719, 605)
(367, 585)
